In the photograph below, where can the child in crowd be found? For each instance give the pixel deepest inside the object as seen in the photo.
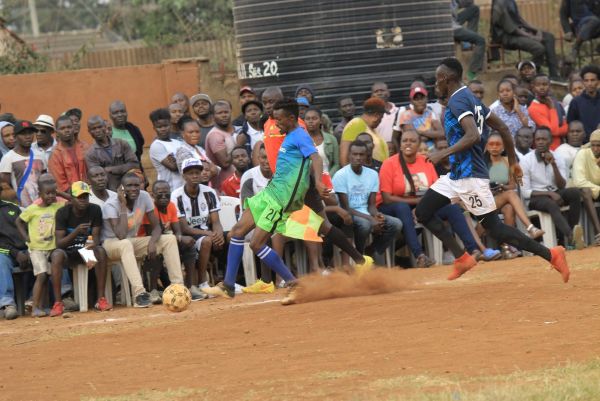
(36, 226)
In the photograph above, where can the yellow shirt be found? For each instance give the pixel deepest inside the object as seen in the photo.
(586, 173)
(356, 127)
(41, 226)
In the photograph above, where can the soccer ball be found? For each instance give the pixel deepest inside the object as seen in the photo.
(176, 298)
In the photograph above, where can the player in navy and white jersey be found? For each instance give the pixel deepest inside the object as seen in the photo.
(466, 124)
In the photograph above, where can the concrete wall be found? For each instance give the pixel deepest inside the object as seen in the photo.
(143, 88)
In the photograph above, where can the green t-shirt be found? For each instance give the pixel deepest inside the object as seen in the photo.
(40, 224)
(126, 136)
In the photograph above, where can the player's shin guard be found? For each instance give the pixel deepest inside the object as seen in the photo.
(234, 257)
(275, 263)
(510, 235)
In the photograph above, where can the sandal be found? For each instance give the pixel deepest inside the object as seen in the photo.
(424, 261)
(597, 239)
(534, 232)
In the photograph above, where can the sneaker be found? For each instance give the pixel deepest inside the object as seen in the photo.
(143, 300)
(70, 305)
(238, 289)
(424, 261)
(462, 265)
(559, 262)
(534, 232)
(508, 253)
(36, 312)
(260, 287)
(291, 296)
(220, 290)
(203, 285)
(578, 240)
(155, 297)
(102, 305)
(57, 309)
(197, 295)
(491, 254)
(10, 312)
(282, 284)
(362, 268)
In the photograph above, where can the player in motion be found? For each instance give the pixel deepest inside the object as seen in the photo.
(465, 125)
(269, 210)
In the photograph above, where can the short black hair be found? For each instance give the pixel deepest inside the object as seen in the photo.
(452, 64)
(222, 102)
(130, 174)
(238, 147)
(185, 120)
(509, 76)
(506, 81)
(475, 81)
(8, 117)
(45, 180)
(543, 128)
(159, 114)
(594, 69)
(252, 102)
(541, 75)
(315, 109)
(159, 182)
(63, 117)
(289, 105)
(358, 143)
(339, 101)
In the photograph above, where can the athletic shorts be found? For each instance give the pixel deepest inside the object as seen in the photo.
(268, 214)
(40, 260)
(473, 193)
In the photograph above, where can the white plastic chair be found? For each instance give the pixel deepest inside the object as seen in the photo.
(228, 218)
(227, 214)
(80, 286)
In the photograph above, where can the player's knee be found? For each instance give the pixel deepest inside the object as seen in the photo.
(422, 214)
(490, 221)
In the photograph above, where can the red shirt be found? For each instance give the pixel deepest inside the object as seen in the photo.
(166, 219)
(231, 186)
(543, 116)
(273, 138)
(68, 165)
(393, 181)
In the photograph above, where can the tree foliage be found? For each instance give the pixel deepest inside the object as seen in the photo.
(158, 22)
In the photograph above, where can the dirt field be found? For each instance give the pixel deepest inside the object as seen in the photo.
(500, 318)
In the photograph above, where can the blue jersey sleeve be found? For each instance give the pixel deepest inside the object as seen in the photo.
(304, 142)
(466, 104)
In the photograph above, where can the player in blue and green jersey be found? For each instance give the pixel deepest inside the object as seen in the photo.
(268, 211)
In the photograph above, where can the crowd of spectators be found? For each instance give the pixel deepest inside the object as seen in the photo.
(77, 203)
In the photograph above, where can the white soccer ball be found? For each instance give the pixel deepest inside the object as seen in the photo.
(176, 298)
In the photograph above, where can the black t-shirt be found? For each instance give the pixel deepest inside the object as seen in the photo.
(66, 220)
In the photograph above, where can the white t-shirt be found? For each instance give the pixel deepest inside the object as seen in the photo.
(321, 150)
(259, 181)
(385, 129)
(16, 165)
(358, 187)
(112, 208)
(567, 153)
(112, 195)
(196, 210)
(159, 150)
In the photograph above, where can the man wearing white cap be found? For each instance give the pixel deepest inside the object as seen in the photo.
(45, 141)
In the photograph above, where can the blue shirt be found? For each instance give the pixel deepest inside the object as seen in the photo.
(358, 187)
(291, 181)
(469, 162)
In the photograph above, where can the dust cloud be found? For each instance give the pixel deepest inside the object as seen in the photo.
(341, 284)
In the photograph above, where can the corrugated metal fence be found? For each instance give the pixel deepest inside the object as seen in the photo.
(219, 52)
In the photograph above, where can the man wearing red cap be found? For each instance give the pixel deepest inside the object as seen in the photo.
(420, 117)
(246, 94)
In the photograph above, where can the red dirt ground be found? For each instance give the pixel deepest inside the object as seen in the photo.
(501, 317)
